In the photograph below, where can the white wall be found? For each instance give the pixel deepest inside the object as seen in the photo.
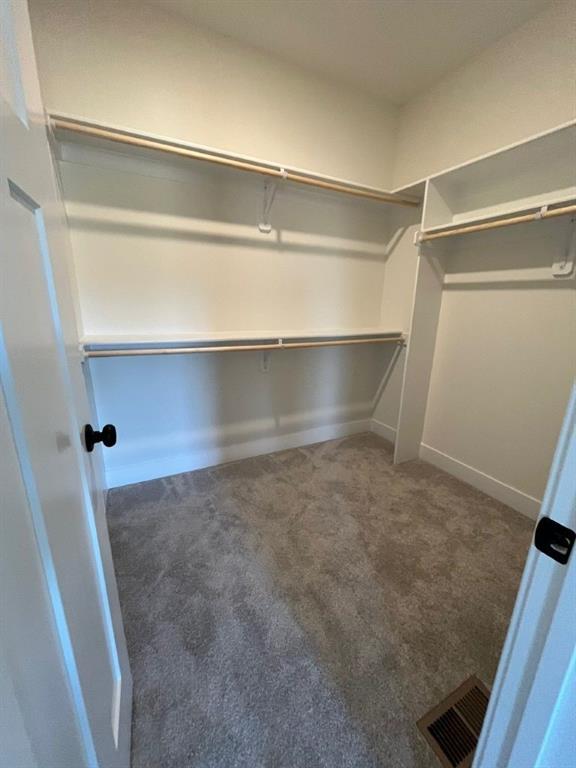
(143, 244)
(140, 67)
(505, 353)
(504, 361)
(166, 250)
(180, 413)
(172, 250)
(520, 86)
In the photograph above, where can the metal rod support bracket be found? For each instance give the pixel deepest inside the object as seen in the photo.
(564, 266)
(270, 189)
(265, 361)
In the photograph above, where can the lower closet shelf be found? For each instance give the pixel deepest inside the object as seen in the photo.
(127, 348)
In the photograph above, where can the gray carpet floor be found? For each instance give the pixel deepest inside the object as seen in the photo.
(305, 608)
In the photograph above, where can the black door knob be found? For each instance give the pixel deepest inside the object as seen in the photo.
(107, 436)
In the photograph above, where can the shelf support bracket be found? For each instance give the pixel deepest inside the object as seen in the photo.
(270, 189)
(564, 266)
(265, 361)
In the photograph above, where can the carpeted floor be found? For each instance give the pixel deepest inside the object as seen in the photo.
(305, 608)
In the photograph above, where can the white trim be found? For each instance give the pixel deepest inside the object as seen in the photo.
(507, 494)
(220, 454)
(383, 430)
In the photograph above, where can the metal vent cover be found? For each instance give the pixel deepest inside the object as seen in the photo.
(452, 727)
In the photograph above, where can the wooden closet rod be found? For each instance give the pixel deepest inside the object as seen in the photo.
(497, 223)
(239, 347)
(174, 148)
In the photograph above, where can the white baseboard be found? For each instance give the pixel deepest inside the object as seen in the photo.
(518, 500)
(210, 456)
(384, 430)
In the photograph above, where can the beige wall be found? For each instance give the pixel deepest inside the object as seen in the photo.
(110, 60)
(505, 355)
(522, 85)
(173, 250)
(503, 359)
(163, 248)
(166, 250)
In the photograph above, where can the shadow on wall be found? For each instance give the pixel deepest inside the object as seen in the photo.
(163, 250)
(171, 255)
(184, 412)
(520, 257)
(280, 240)
(194, 198)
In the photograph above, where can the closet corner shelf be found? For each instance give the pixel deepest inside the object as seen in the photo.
(531, 180)
(123, 347)
(78, 129)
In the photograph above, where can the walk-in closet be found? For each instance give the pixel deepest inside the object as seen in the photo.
(316, 271)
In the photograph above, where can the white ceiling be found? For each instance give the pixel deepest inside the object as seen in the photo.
(390, 48)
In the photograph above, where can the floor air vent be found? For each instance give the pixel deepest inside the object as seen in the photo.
(452, 728)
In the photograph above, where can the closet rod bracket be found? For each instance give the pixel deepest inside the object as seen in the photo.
(270, 189)
(419, 239)
(265, 361)
(564, 266)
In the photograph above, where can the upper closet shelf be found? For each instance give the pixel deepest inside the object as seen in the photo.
(525, 177)
(76, 129)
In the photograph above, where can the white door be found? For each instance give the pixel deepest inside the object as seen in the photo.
(530, 719)
(63, 661)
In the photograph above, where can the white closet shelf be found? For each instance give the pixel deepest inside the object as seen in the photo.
(518, 179)
(77, 129)
(120, 346)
